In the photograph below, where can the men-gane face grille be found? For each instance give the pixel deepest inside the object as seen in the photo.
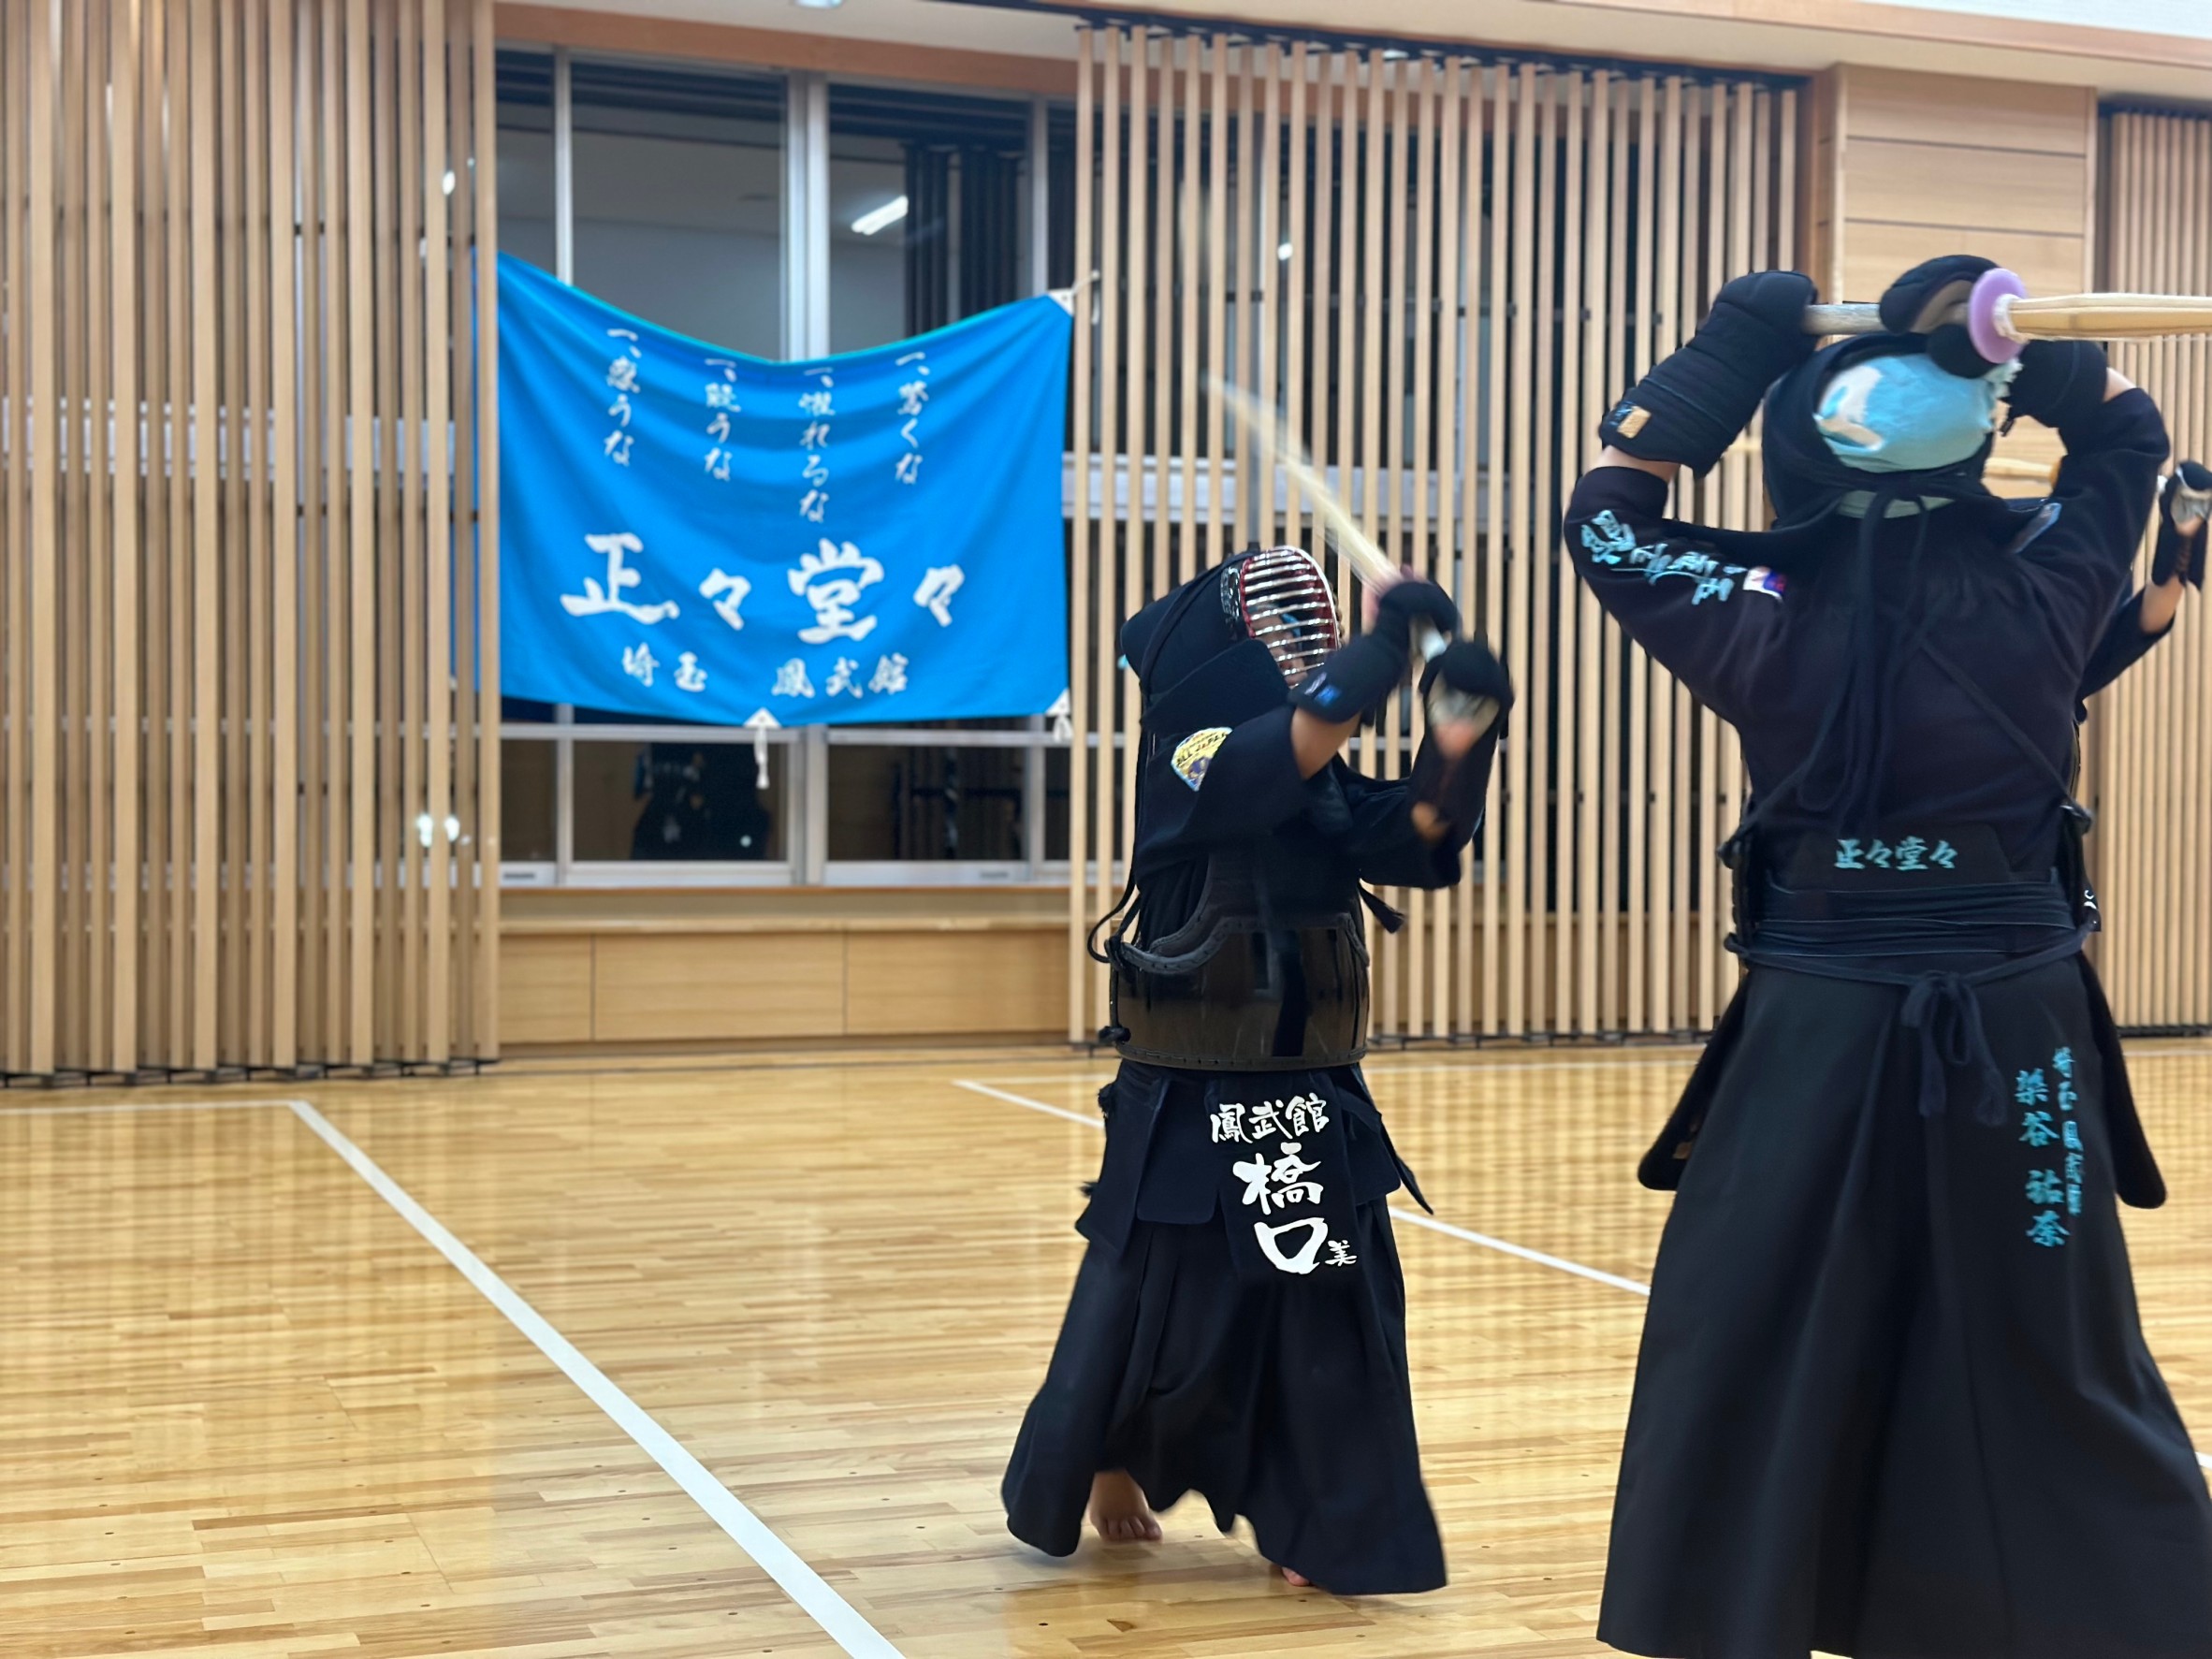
(1281, 599)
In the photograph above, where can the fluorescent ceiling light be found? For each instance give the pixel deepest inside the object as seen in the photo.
(818, 4)
(875, 219)
(1285, 252)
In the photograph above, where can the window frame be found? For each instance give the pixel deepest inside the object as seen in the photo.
(805, 219)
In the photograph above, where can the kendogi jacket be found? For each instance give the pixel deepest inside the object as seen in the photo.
(1865, 859)
(1239, 958)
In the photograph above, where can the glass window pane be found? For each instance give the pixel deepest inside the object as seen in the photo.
(926, 210)
(678, 186)
(677, 802)
(930, 803)
(526, 156)
(527, 802)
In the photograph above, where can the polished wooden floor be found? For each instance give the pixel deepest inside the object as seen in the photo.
(247, 1408)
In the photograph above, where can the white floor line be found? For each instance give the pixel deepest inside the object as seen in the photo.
(1508, 1247)
(984, 1088)
(1503, 1247)
(799, 1581)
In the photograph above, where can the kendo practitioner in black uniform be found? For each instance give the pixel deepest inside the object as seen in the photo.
(1238, 1323)
(1893, 1398)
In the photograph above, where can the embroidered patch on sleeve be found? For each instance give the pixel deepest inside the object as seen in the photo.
(1196, 752)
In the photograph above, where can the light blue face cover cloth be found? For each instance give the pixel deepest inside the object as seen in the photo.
(1906, 415)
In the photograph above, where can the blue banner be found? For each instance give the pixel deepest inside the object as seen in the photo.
(691, 534)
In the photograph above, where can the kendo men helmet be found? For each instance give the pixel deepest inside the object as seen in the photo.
(1275, 596)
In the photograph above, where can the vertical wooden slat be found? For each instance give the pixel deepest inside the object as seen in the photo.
(1385, 373)
(228, 471)
(1266, 294)
(42, 425)
(1540, 535)
(1616, 853)
(1480, 504)
(1670, 901)
(73, 406)
(1596, 258)
(1298, 314)
(179, 558)
(435, 696)
(253, 418)
(1110, 288)
(315, 434)
(281, 709)
(1419, 468)
(1136, 526)
(95, 549)
(459, 531)
(408, 854)
(1235, 362)
(485, 152)
(123, 68)
(1159, 526)
(1508, 146)
(368, 304)
(1559, 570)
(1218, 125)
(1711, 802)
(1088, 294)
(1189, 266)
(1441, 388)
(205, 705)
(1646, 887)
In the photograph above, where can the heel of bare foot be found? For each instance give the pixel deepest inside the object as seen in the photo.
(1296, 1580)
(1119, 1511)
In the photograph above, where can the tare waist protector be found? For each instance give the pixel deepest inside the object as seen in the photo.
(1242, 986)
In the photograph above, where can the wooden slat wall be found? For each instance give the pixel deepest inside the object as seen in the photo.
(1441, 269)
(2150, 756)
(220, 440)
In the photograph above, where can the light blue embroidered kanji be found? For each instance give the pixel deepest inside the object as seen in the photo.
(1944, 854)
(2046, 1231)
(2044, 1187)
(2035, 1128)
(2062, 1062)
(1912, 854)
(2072, 1127)
(1848, 856)
(2032, 1089)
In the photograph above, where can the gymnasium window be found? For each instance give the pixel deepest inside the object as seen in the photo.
(677, 207)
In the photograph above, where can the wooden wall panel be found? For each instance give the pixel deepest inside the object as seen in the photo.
(192, 423)
(1926, 165)
(2148, 737)
(1465, 289)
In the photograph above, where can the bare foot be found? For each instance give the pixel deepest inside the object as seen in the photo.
(1297, 1580)
(1119, 1511)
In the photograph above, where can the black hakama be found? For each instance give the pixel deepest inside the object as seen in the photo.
(1893, 1398)
(1274, 1386)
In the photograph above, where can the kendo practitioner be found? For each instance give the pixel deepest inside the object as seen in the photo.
(1238, 1323)
(1893, 1398)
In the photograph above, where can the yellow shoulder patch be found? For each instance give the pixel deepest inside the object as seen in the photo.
(1196, 752)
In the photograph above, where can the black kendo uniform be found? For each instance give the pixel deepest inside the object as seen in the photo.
(1238, 1324)
(1893, 1398)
